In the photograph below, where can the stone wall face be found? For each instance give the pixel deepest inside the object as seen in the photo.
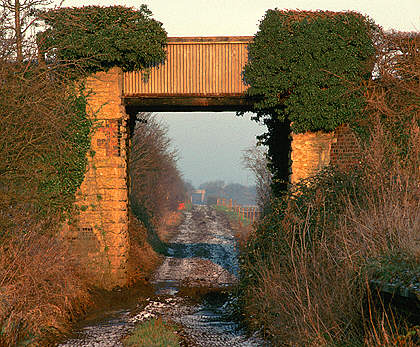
(313, 151)
(99, 238)
(310, 153)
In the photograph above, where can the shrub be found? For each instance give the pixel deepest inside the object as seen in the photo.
(40, 288)
(255, 160)
(308, 260)
(392, 97)
(45, 138)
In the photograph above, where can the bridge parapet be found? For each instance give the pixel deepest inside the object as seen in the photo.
(195, 66)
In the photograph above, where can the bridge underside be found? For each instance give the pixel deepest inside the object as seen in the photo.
(187, 103)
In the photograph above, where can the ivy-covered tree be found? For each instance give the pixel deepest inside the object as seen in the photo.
(309, 67)
(98, 38)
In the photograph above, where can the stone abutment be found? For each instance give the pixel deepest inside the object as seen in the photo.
(99, 235)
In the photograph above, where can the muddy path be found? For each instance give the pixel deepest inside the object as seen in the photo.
(191, 288)
(203, 253)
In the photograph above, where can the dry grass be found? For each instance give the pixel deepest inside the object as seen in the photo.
(169, 224)
(142, 258)
(40, 291)
(312, 283)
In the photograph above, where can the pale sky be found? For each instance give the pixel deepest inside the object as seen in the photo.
(210, 145)
(241, 17)
(216, 153)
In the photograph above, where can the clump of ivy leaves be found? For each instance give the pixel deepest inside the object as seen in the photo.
(69, 159)
(78, 42)
(306, 72)
(95, 38)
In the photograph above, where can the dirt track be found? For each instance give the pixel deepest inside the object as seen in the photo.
(202, 253)
(202, 257)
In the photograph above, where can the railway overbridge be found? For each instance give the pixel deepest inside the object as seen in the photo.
(200, 74)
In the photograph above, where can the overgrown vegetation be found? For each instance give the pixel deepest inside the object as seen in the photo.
(311, 258)
(306, 72)
(43, 157)
(95, 38)
(393, 96)
(45, 137)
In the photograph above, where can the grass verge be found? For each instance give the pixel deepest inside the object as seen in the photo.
(153, 333)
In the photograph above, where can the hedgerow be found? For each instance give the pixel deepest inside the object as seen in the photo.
(46, 136)
(44, 145)
(312, 258)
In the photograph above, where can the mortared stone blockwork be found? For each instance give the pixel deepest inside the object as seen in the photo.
(99, 236)
(313, 151)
